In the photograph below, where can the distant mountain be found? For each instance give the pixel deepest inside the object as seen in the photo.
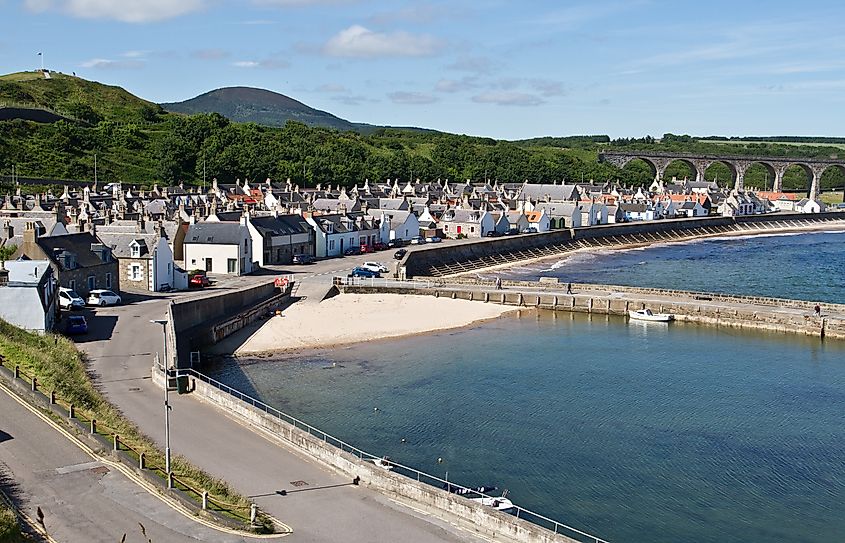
(247, 104)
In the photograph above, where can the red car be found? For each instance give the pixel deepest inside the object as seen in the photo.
(367, 249)
(199, 281)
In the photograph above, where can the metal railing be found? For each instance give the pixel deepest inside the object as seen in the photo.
(412, 473)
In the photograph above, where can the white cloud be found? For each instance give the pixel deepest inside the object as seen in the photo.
(508, 99)
(353, 99)
(456, 85)
(108, 64)
(475, 65)
(135, 54)
(245, 64)
(412, 98)
(413, 14)
(128, 11)
(210, 54)
(548, 87)
(357, 41)
(267, 63)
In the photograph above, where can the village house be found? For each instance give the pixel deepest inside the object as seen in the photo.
(28, 295)
(334, 234)
(277, 238)
(466, 223)
(81, 261)
(145, 260)
(395, 224)
(219, 247)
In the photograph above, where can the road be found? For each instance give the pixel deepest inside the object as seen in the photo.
(120, 349)
(83, 499)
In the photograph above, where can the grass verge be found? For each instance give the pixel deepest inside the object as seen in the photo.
(57, 366)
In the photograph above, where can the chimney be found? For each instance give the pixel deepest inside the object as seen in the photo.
(8, 230)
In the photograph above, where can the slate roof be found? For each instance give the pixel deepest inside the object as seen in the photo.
(216, 233)
(79, 244)
(283, 225)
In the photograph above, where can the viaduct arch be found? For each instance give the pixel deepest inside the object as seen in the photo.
(738, 165)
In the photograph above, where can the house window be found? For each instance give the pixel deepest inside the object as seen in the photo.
(232, 265)
(136, 251)
(108, 280)
(135, 272)
(193, 261)
(472, 229)
(92, 282)
(331, 245)
(245, 247)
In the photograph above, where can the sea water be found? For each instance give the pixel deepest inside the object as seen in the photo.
(807, 266)
(636, 432)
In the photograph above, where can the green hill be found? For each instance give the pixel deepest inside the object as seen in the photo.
(74, 97)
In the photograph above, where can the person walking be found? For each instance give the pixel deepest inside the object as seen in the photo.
(817, 310)
(569, 288)
(498, 283)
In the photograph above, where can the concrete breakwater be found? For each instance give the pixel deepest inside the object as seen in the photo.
(773, 314)
(459, 258)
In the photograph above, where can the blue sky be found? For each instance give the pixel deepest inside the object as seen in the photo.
(503, 69)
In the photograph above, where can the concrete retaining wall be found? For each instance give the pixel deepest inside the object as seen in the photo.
(713, 312)
(192, 312)
(456, 509)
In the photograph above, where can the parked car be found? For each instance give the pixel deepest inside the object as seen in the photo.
(400, 254)
(76, 324)
(512, 231)
(530, 230)
(379, 246)
(199, 280)
(367, 249)
(395, 243)
(419, 240)
(69, 299)
(364, 272)
(492, 234)
(432, 239)
(303, 259)
(102, 297)
(351, 251)
(375, 266)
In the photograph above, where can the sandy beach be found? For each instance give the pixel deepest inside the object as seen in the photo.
(352, 318)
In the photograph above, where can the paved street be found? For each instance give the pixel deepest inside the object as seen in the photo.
(83, 500)
(121, 347)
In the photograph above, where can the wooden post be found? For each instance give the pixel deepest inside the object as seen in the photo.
(486, 297)
(253, 513)
(52, 397)
(70, 412)
(205, 499)
(116, 440)
(170, 480)
(34, 384)
(142, 461)
(17, 372)
(93, 426)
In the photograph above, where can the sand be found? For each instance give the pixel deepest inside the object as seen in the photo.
(353, 318)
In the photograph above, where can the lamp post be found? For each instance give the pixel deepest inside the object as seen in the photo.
(163, 323)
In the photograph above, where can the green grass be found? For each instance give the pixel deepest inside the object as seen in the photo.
(59, 367)
(786, 143)
(10, 531)
(831, 197)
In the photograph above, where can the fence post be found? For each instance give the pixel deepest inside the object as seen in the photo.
(116, 441)
(142, 461)
(205, 499)
(34, 384)
(70, 412)
(52, 397)
(253, 513)
(17, 372)
(93, 426)
(170, 480)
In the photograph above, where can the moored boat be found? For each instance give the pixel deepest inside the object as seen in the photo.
(501, 503)
(650, 316)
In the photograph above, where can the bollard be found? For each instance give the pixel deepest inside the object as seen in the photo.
(70, 412)
(93, 426)
(116, 441)
(142, 461)
(205, 499)
(170, 480)
(34, 384)
(253, 513)
(52, 397)
(17, 372)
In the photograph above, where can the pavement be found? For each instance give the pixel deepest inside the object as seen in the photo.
(120, 348)
(82, 498)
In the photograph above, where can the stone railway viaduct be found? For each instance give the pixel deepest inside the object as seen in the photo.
(738, 165)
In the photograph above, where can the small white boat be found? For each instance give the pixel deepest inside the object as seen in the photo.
(648, 315)
(501, 503)
(383, 463)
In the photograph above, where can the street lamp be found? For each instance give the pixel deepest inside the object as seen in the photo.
(163, 323)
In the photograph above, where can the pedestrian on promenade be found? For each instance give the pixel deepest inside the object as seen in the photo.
(498, 283)
(817, 310)
(569, 288)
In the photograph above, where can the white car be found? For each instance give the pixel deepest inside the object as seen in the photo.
(69, 299)
(375, 266)
(103, 297)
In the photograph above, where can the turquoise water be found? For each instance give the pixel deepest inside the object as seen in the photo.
(800, 266)
(637, 433)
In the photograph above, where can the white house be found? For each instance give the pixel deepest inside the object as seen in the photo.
(395, 224)
(538, 220)
(561, 215)
(219, 247)
(466, 222)
(517, 221)
(145, 261)
(28, 295)
(690, 208)
(334, 234)
(810, 206)
(593, 213)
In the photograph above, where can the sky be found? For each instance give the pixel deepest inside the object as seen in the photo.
(496, 68)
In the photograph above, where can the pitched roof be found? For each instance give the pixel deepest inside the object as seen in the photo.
(79, 244)
(216, 233)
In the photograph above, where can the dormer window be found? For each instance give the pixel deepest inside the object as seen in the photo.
(135, 250)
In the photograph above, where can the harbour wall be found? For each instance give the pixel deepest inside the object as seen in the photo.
(744, 312)
(449, 259)
(470, 515)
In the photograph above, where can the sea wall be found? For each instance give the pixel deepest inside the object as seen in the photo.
(448, 259)
(793, 316)
(458, 510)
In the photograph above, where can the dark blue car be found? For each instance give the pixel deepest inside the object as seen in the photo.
(364, 272)
(76, 324)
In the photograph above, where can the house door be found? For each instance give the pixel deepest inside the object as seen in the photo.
(341, 245)
(459, 229)
(208, 264)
